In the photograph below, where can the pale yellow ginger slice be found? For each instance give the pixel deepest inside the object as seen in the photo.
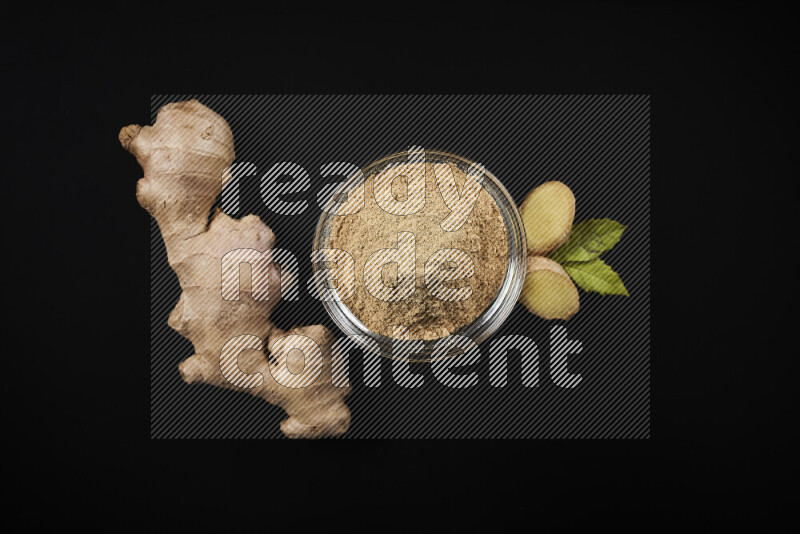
(548, 291)
(547, 214)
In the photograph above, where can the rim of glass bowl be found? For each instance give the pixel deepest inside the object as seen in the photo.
(486, 323)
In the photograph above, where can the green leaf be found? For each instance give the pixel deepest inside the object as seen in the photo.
(596, 276)
(588, 240)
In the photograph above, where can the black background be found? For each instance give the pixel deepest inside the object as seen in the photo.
(721, 378)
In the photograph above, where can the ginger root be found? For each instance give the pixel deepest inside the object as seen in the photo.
(183, 156)
(548, 291)
(547, 214)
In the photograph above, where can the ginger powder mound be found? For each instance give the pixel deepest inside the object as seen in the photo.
(417, 214)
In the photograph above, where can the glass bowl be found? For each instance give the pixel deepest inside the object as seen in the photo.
(478, 330)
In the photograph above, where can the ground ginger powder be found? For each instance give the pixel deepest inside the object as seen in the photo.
(483, 237)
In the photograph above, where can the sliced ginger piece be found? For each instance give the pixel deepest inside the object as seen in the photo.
(548, 291)
(547, 214)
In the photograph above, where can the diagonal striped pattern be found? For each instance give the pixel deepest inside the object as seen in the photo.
(296, 347)
(599, 145)
(448, 265)
(528, 358)
(336, 280)
(461, 202)
(414, 173)
(273, 190)
(455, 351)
(229, 361)
(229, 203)
(259, 262)
(353, 199)
(403, 258)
